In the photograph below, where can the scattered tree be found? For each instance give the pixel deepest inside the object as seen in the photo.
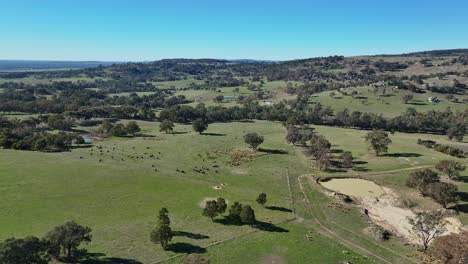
(457, 131)
(378, 140)
(218, 99)
(162, 233)
(211, 209)
(234, 212)
(199, 125)
(254, 140)
(428, 226)
(262, 199)
(444, 193)
(247, 215)
(406, 98)
(166, 126)
(67, 238)
(452, 248)
(451, 168)
(29, 250)
(347, 159)
(221, 205)
(420, 179)
(132, 128)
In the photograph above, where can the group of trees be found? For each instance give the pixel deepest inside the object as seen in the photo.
(428, 183)
(298, 113)
(119, 130)
(62, 241)
(319, 149)
(237, 213)
(449, 150)
(24, 135)
(214, 208)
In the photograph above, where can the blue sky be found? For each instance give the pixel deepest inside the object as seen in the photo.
(140, 30)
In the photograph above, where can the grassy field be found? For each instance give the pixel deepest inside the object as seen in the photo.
(119, 197)
(404, 152)
(118, 187)
(389, 106)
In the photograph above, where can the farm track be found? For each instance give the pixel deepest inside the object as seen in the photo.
(348, 241)
(326, 231)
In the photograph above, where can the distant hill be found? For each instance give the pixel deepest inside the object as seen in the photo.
(431, 53)
(34, 65)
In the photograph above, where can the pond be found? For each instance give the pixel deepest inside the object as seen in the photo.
(354, 187)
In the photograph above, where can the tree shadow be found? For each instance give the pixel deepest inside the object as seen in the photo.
(214, 134)
(81, 131)
(463, 179)
(336, 151)
(463, 208)
(416, 103)
(335, 170)
(463, 196)
(81, 146)
(181, 247)
(84, 257)
(278, 208)
(273, 151)
(178, 132)
(360, 162)
(143, 135)
(190, 235)
(359, 168)
(228, 221)
(269, 227)
(403, 155)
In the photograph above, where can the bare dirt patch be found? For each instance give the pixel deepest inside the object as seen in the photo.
(385, 212)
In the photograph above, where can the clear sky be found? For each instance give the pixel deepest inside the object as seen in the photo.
(143, 30)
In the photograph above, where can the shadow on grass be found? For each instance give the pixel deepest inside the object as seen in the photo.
(403, 155)
(269, 227)
(178, 132)
(263, 226)
(462, 208)
(417, 103)
(181, 247)
(464, 179)
(360, 162)
(228, 221)
(214, 134)
(85, 257)
(336, 151)
(335, 170)
(279, 208)
(273, 151)
(359, 168)
(190, 235)
(81, 146)
(463, 196)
